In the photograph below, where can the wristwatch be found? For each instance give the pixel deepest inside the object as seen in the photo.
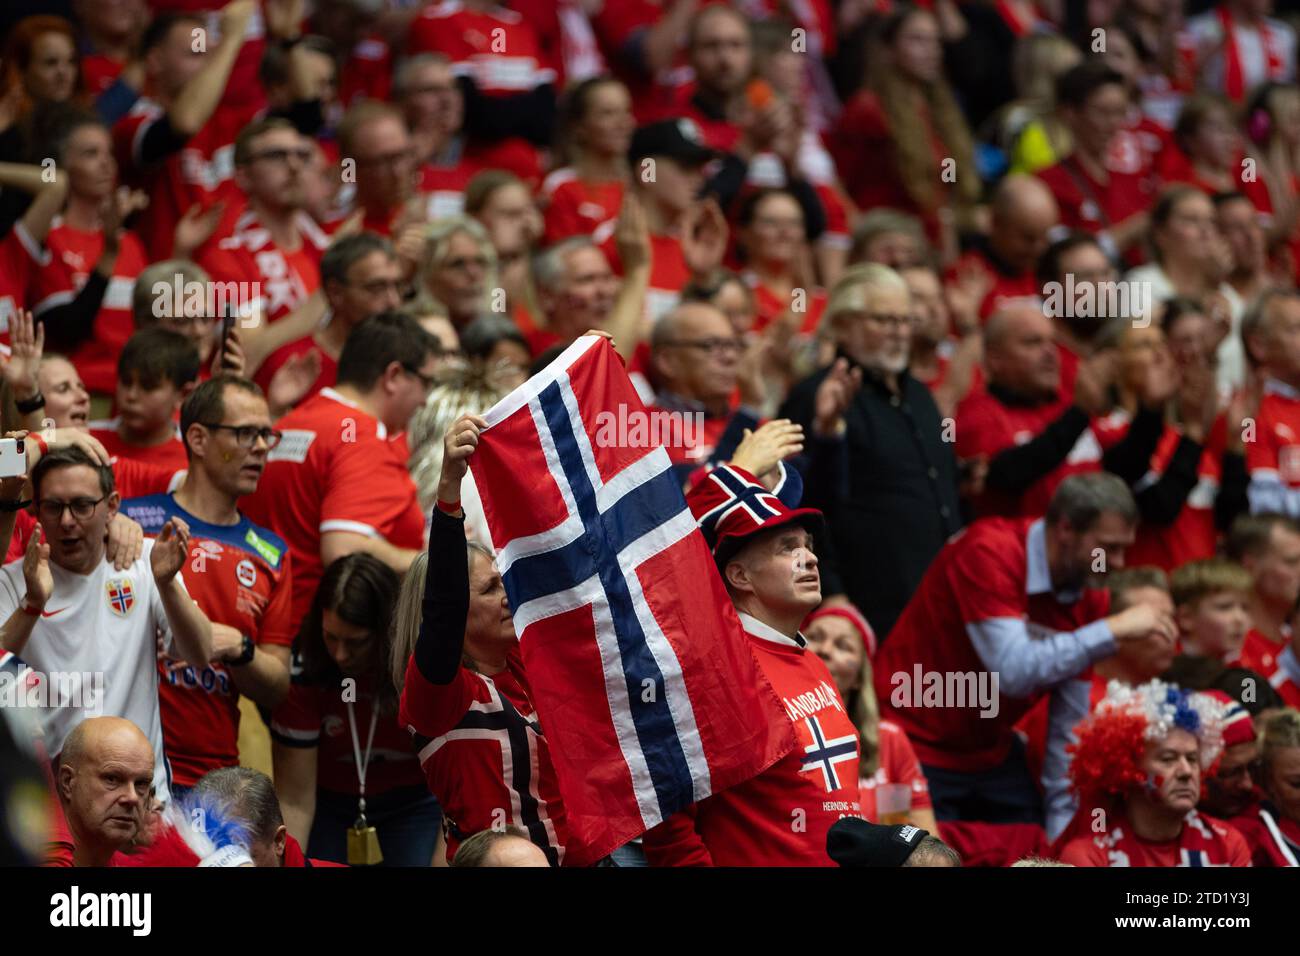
(13, 506)
(246, 656)
(28, 405)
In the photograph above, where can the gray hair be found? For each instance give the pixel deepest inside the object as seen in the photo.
(343, 253)
(849, 294)
(409, 66)
(437, 241)
(1082, 499)
(551, 264)
(250, 795)
(168, 272)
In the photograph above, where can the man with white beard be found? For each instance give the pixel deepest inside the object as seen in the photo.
(899, 489)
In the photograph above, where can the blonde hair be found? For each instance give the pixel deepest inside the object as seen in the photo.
(1039, 861)
(469, 394)
(864, 711)
(437, 241)
(1197, 579)
(406, 618)
(1280, 732)
(913, 149)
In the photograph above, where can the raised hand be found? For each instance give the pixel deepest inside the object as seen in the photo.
(170, 549)
(632, 233)
(457, 445)
(36, 569)
(195, 228)
(760, 451)
(27, 344)
(293, 380)
(834, 396)
(704, 238)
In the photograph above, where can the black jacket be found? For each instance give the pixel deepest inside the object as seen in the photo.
(895, 502)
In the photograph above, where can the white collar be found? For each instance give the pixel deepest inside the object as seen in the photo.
(381, 430)
(1038, 573)
(756, 628)
(1274, 386)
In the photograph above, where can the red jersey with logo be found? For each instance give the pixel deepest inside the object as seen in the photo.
(336, 469)
(987, 425)
(444, 188)
(668, 271)
(497, 48)
(807, 305)
(1276, 662)
(1091, 205)
(1005, 286)
(897, 764)
(317, 716)
(1259, 653)
(73, 254)
(240, 578)
(329, 366)
(981, 574)
(21, 257)
(483, 752)
(202, 172)
(780, 817)
(1275, 452)
(169, 454)
(1204, 841)
(99, 72)
(1193, 535)
(572, 206)
(283, 280)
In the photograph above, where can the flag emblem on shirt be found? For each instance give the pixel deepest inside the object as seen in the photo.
(121, 596)
(822, 755)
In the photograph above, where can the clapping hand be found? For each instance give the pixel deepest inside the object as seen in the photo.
(170, 549)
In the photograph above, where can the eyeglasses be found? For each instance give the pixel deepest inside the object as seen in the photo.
(428, 381)
(52, 509)
(463, 263)
(246, 435)
(302, 154)
(718, 346)
(897, 321)
(378, 286)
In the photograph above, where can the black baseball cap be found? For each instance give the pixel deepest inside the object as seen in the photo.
(678, 139)
(854, 842)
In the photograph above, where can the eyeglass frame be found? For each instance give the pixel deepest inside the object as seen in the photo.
(258, 432)
(71, 506)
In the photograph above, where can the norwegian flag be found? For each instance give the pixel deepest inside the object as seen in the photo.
(644, 684)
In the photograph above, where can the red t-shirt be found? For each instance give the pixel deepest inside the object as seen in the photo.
(99, 72)
(780, 817)
(981, 574)
(1259, 653)
(1005, 287)
(1093, 206)
(317, 716)
(238, 575)
(74, 253)
(768, 306)
(576, 207)
(368, 72)
(169, 454)
(986, 425)
(249, 255)
(1275, 452)
(1192, 536)
(668, 271)
(21, 257)
(483, 752)
(898, 764)
(336, 469)
(201, 172)
(1204, 841)
(444, 187)
(329, 366)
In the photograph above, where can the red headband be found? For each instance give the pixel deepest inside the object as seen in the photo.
(854, 617)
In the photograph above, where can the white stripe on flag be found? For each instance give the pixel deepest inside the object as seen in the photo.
(529, 391)
(580, 433)
(679, 703)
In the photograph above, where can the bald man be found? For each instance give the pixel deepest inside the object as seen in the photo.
(1031, 434)
(696, 355)
(1023, 213)
(509, 847)
(105, 779)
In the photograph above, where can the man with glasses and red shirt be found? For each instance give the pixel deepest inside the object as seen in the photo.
(241, 579)
(275, 244)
